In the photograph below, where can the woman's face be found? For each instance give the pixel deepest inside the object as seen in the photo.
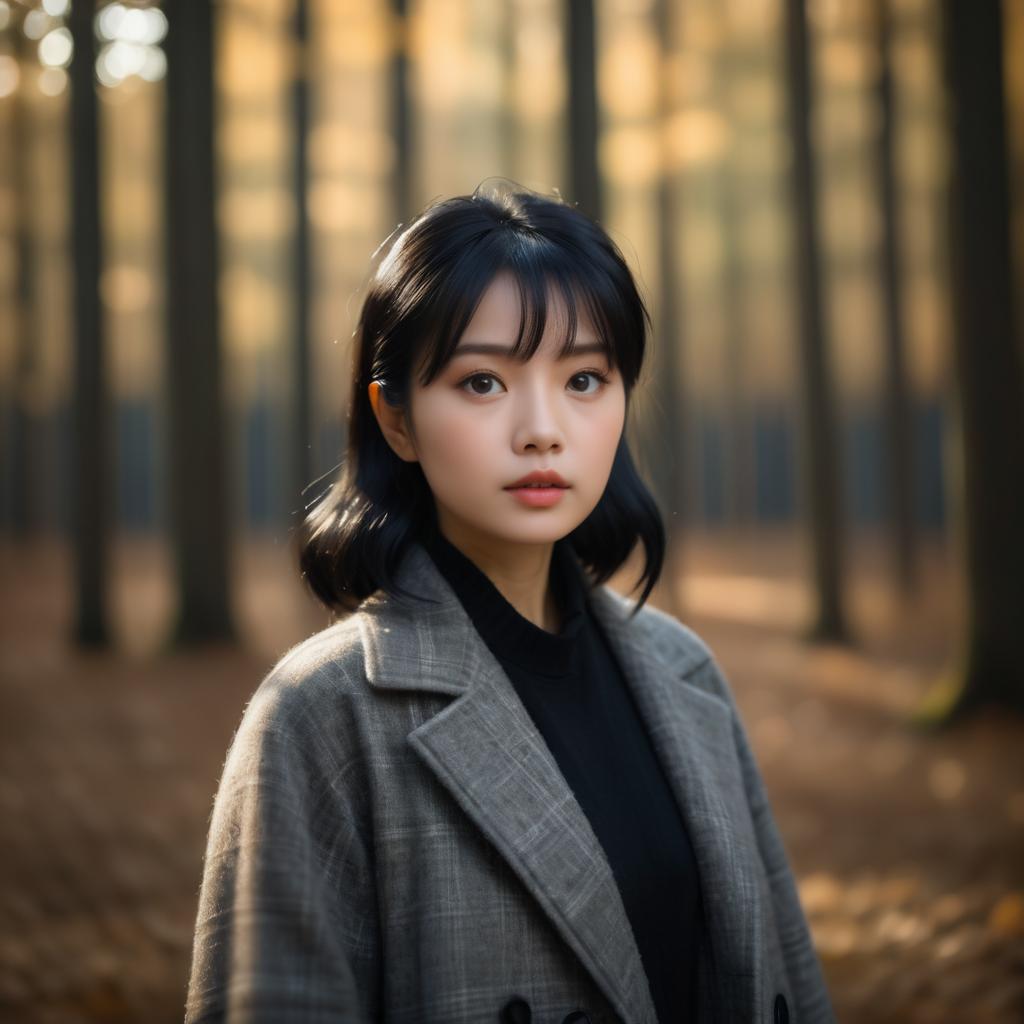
(487, 420)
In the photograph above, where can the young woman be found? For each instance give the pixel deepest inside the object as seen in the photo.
(494, 789)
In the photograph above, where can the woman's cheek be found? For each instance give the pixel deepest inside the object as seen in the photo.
(606, 429)
(456, 453)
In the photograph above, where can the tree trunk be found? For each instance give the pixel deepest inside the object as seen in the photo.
(302, 420)
(819, 449)
(739, 456)
(401, 124)
(198, 490)
(899, 449)
(21, 443)
(670, 468)
(92, 470)
(988, 373)
(584, 177)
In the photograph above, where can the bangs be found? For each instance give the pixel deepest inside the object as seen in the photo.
(543, 273)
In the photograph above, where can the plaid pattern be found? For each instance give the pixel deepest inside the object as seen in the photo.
(391, 838)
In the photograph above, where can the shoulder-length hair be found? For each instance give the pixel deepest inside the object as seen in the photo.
(419, 302)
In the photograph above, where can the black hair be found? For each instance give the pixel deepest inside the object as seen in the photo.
(419, 302)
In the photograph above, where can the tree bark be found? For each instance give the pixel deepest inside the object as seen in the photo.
(302, 419)
(668, 345)
(584, 176)
(670, 465)
(401, 123)
(819, 448)
(899, 450)
(739, 456)
(989, 378)
(92, 469)
(199, 491)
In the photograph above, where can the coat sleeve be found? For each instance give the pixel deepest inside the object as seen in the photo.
(284, 929)
(803, 967)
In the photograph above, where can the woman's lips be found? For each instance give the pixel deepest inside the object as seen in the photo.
(541, 477)
(538, 497)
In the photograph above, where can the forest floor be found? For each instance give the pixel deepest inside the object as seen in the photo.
(908, 847)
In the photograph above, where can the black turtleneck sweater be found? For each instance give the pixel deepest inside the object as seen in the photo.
(572, 686)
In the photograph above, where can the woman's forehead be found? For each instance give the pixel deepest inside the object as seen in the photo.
(503, 306)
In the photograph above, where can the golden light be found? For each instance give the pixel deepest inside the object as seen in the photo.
(752, 18)
(747, 599)
(339, 207)
(844, 62)
(630, 155)
(251, 65)
(757, 98)
(436, 38)
(254, 310)
(627, 74)
(338, 147)
(126, 288)
(363, 39)
(255, 137)
(539, 78)
(9, 75)
(52, 81)
(257, 214)
(696, 136)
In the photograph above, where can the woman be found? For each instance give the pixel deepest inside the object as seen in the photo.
(495, 790)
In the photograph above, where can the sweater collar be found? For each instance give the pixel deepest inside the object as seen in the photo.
(511, 636)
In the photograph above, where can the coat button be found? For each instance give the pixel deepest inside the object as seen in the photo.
(576, 1017)
(781, 1009)
(515, 1011)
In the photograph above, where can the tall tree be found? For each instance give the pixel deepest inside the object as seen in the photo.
(92, 471)
(21, 442)
(401, 121)
(198, 486)
(583, 128)
(819, 447)
(989, 375)
(739, 488)
(899, 450)
(668, 464)
(302, 420)
(670, 472)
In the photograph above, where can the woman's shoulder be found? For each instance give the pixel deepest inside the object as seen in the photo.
(667, 633)
(676, 644)
(313, 683)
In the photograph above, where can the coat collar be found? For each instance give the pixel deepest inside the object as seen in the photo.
(484, 748)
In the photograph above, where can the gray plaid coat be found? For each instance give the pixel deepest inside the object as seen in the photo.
(392, 840)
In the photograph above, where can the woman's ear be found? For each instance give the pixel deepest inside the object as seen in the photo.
(391, 419)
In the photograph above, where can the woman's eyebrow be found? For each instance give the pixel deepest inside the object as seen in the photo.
(491, 348)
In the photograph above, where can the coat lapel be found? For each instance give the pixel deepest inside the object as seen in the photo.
(487, 752)
(692, 734)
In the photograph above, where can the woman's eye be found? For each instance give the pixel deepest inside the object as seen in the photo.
(599, 377)
(476, 377)
(469, 383)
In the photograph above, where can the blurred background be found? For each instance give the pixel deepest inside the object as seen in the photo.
(823, 204)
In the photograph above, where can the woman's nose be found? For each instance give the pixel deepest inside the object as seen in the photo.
(537, 423)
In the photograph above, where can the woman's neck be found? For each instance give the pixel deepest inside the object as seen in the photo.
(520, 572)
